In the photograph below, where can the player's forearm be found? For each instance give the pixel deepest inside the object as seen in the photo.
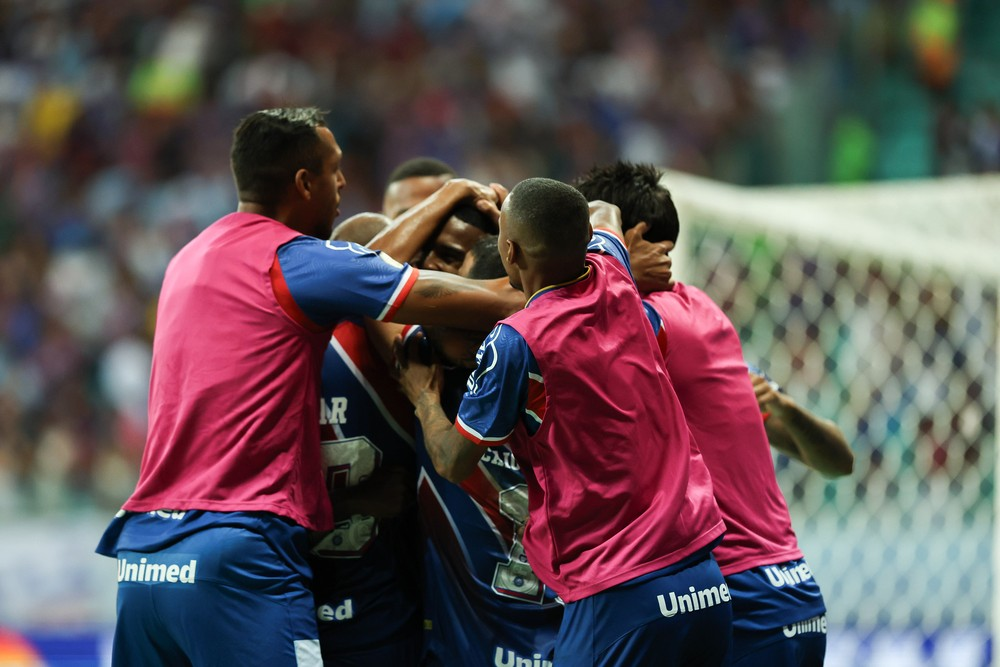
(815, 441)
(411, 230)
(453, 456)
(447, 300)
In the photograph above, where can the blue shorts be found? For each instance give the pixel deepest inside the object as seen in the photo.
(672, 617)
(219, 597)
(801, 644)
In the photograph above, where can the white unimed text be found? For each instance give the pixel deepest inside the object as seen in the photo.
(693, 600)
(155, 573)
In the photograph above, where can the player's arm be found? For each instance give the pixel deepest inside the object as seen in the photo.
(606, 217)
(454, 457)
(449, 300)
(495, 399)
(318, 283)
(413, 229)
(800, 434)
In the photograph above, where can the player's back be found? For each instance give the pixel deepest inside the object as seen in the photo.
(705, 362)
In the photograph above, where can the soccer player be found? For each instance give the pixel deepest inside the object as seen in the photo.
(483, 605)
(368, 569)
(211, 545)
(621, 517)
(778, 610)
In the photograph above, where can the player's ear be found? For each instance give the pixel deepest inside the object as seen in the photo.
(512, 252)
(303, 183)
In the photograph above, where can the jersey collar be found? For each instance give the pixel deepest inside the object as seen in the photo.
(549, 288)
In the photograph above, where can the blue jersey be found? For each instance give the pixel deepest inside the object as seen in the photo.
(483, 604)
(367, 571)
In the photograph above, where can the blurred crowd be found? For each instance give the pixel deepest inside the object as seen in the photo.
(116, 117)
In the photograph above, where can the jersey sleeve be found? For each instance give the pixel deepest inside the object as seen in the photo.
(329, 280)
(607, 243)
(659, 330)
(497, 393)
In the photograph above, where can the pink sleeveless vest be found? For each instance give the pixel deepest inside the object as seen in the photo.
(616, 487)
(234, 394)
(705, 363)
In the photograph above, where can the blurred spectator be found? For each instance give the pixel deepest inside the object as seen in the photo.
(114, 123)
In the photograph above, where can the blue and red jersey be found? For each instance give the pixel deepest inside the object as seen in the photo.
(367, 570)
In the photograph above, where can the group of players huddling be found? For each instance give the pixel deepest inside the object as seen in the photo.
(534, 446)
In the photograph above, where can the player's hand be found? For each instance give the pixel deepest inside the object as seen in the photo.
(769, 397)
(415, 378)
(486, 198)
(651, 263)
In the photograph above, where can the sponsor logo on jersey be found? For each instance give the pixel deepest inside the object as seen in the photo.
(814, 624)
(693, 600)
(156, 573)
(788, 576)
(506, 657)
(342, 612)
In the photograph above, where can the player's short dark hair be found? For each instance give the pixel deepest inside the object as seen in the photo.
(269, 146)
(636, 190)
(420, 166)
(553, 215)
(486, 264)
(467, 212)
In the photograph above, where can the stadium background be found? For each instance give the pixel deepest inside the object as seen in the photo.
(115, 120)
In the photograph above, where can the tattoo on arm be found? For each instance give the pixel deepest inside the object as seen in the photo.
(448, 450)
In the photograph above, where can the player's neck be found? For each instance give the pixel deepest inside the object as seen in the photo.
(256, 208)
(534, 281)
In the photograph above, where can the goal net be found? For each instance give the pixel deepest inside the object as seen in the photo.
(875, 305)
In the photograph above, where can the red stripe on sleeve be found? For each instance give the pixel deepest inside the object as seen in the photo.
(403, 293)
(287, 301)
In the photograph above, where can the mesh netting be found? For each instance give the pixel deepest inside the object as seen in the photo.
(903, 357)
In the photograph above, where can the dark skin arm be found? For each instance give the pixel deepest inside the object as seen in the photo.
(413, 229)
(802, 435)
(453, 455)
(448, 300)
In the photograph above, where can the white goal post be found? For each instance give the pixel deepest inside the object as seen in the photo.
(875, 305)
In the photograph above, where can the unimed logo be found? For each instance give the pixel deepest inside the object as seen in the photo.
(144, 572)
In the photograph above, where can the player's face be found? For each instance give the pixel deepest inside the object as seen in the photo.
(503, 242)
(328, 184)
(452, 245)
(406, 193)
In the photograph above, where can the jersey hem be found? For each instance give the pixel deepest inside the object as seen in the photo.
(701, 542)
(760, 560)
(311, 523)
